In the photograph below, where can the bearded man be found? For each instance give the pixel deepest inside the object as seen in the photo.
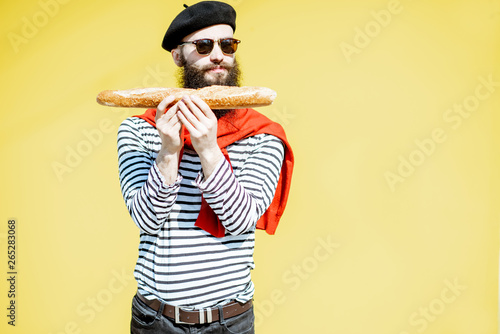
(198, 183)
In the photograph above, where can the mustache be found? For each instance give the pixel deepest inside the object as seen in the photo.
(209, 67)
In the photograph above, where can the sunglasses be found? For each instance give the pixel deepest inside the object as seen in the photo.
(205, 46)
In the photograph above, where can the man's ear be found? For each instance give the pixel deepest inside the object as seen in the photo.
(176, 55)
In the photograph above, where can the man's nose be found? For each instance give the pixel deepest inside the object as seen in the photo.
(216, 56)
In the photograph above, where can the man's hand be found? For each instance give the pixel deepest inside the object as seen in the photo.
(169, 127)
(201, 123)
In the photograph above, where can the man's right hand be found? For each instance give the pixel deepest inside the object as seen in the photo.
(169, 128)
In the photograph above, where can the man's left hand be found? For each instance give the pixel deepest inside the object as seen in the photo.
(201, 122)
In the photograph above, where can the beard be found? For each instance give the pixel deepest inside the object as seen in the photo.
(191, 76)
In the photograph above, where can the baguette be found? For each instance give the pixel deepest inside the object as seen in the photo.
(217, 97)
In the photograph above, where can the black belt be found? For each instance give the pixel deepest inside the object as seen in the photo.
(201, 316)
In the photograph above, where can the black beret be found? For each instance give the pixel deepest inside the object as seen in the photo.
(196, 17)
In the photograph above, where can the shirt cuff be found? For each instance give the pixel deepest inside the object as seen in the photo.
(213, 183)
(158, 180)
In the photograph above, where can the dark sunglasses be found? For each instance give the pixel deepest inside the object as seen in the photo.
(205, 46)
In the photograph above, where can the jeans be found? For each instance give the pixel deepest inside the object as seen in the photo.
(147, 320)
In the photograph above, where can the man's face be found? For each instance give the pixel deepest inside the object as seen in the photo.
(215, 68)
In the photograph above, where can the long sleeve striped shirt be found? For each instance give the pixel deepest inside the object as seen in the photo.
(178, 262)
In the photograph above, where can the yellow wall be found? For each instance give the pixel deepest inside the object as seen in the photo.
(391, 107)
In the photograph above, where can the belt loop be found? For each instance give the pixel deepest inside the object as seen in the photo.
(209, 315)
(160, 310)
(221, 315)
(202, 316)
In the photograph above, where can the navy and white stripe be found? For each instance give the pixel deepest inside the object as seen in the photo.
(178, 262)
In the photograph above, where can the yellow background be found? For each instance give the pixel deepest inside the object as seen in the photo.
(392, 250)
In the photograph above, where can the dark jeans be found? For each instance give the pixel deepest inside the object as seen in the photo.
(147, 320)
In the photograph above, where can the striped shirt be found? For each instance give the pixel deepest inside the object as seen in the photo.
(178, 262)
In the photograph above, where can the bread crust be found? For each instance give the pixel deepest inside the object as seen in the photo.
(217, 97)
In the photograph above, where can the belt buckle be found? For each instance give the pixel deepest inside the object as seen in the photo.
(178, 319)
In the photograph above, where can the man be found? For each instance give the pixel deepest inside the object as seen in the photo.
(198, 182)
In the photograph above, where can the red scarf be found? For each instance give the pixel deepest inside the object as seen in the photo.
(246, 123)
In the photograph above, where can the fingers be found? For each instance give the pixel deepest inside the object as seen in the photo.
(183, 116)
(189, 111)
(174, 121)
(166, 102)
(196, 110)
(167, 121)
(202, 105)
(169, 129)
